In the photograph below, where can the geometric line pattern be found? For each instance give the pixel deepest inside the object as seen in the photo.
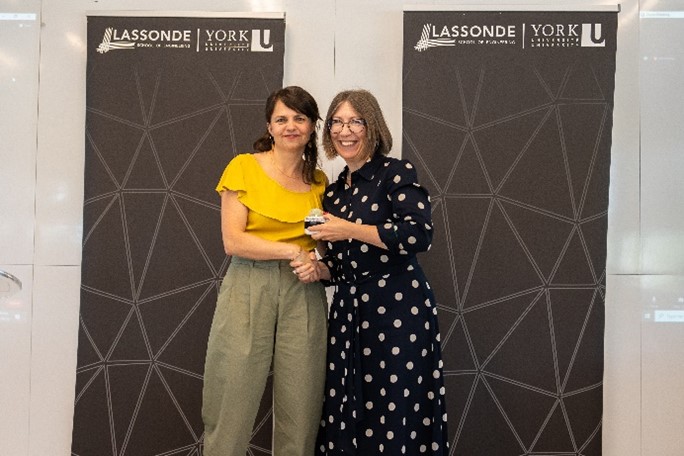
(515, 153)
(158, 135)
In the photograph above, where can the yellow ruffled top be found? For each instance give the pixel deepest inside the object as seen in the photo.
(275, 213)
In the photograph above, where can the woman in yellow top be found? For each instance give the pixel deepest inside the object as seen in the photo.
(264, 312)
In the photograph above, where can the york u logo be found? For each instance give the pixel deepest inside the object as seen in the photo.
(261, 41)
(592, 36)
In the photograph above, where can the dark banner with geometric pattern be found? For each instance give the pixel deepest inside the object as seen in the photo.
(508, 116)
(170, 100)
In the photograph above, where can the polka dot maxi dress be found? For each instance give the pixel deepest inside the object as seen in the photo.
(384, 388)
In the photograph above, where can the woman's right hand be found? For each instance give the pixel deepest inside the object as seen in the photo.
(305, 266)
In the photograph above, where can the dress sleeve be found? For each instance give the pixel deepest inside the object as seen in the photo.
(410, 230)
(333, 267)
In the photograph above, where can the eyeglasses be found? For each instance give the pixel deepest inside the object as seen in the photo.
(355, 125)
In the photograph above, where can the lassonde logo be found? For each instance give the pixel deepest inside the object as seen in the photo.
(427, 41)
(143, 38)
(534, 35)
(203, 40)
(474, 34)
(108, 45)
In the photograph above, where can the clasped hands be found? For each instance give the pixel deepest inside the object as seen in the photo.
(306, 265)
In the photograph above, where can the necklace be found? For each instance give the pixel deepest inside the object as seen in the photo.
(280, 170)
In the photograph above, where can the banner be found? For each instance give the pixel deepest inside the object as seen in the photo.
(508, 115)
(170, 100)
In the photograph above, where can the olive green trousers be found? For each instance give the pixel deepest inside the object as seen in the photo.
(265, 315)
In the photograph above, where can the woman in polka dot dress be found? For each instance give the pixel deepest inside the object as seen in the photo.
(384, 386)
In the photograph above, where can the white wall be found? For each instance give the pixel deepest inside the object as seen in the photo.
(331, 45)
